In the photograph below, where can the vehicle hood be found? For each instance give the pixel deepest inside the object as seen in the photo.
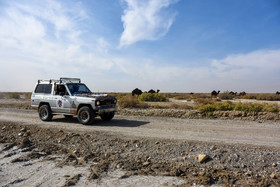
(100, 97)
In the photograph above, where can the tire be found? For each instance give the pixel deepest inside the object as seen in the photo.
(107, 116)
(85, 115)
(45, 113)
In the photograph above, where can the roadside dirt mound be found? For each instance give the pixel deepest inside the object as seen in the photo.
(176, 113)
(15, 103)
(224, 164)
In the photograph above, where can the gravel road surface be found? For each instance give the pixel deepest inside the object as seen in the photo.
(222, 131)
(137, 151)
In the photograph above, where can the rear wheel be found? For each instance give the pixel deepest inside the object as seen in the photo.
(45, 113)
(107, 116)
(85, 115)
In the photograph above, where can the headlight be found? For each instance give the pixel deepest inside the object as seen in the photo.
(97, 103)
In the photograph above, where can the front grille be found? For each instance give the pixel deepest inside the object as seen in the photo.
(106, 106)
(107, 102)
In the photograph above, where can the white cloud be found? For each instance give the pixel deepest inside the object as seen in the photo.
(44, 38)
(257, 71)
(253, 64)
(145, 20)
(43, 43)
(147, 70)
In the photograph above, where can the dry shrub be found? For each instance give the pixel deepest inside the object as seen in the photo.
(128, 102)
(204, 101)
(230, 106)
(27, 95)
(248, 96)
(152, 97)
(268, 97)
(175, 106)
(226, 96)
(12, 95)
(271, 108)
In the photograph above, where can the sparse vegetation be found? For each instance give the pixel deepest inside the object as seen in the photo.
(187, 96)
(264, 96)
(12, 95)
(152, 97)
(15, 95)
(27, 95)
(128, 102)
(212, 106)
(226, 96)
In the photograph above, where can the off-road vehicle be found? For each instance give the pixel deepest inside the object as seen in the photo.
(70, 97)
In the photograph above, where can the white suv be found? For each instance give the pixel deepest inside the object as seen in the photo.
(70, 97)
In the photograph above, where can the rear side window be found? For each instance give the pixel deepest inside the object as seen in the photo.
(43, 88)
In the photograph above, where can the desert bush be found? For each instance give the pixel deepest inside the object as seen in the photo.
(128, 102)
(271, 108)
(204, 101)
(120, 95)
(180, 106)
(12, 95)
(229, 106)
(248, 107)
(27, 95)
(153, 97)
(268, 97)
(207, 108)
(183, 97)
(143, 105)
(2, 95)
(226, 96)
(248, 96)
(187, 96)
(224, 106)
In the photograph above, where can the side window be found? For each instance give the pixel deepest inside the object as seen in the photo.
(61, 90)
(43, 88)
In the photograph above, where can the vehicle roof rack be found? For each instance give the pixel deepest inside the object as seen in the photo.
(72, 80)
(61, 80)
(47, 81)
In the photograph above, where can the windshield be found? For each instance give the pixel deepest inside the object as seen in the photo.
(77, 88)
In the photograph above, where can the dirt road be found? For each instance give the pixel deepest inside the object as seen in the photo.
(136, 151)
(219, 131)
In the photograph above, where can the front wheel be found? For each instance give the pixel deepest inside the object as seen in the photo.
(85, 115)
(107, 116)
(45, 113)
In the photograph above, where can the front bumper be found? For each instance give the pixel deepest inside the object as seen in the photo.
(105, 110)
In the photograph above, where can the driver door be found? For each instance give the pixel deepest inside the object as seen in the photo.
(61, 100)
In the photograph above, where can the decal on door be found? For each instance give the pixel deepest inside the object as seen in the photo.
(59, 104)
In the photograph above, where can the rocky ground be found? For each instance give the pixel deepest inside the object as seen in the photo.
(63, 153)
(100, 153)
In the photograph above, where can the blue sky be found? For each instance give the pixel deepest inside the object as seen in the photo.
(118, 45)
